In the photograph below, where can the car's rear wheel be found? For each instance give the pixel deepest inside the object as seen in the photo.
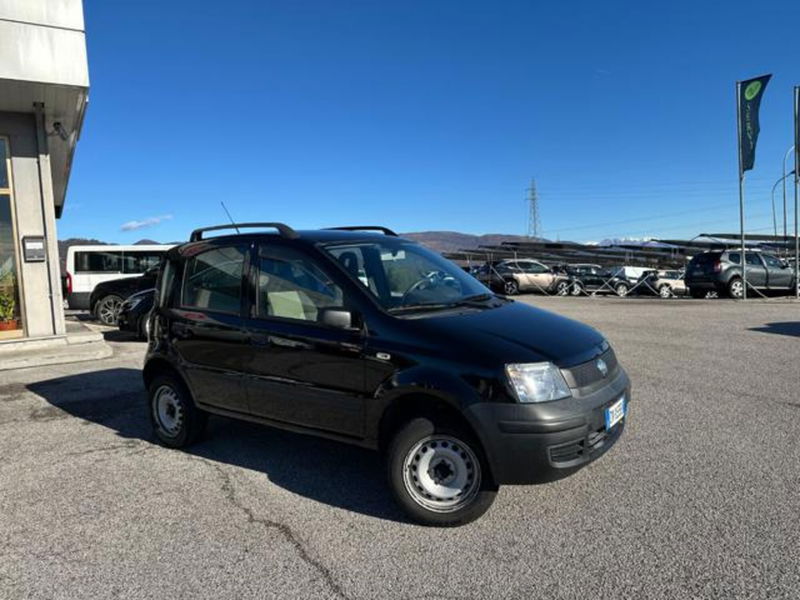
(577, 288)
(664, 290)
(621, 289)
(176, 420)
(107, 309)
(562, 288)
(510, 287)
(736, 288)
(438, 473)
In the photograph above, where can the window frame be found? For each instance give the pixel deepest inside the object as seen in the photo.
(243, 288)
(318, 259)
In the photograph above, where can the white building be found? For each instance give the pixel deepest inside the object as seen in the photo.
(44, 84)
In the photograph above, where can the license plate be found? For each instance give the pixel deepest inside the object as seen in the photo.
(615, 413)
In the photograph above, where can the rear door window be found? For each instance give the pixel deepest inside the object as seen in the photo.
(213, 280)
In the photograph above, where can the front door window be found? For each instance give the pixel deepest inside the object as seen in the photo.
(10, 310)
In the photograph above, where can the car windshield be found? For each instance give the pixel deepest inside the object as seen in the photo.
(403, 275)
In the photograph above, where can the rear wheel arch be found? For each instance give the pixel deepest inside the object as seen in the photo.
(161, 366)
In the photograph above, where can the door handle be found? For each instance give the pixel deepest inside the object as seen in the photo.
(258, 339)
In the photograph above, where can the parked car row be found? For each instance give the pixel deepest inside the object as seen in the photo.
(514, 276)
(714, 273)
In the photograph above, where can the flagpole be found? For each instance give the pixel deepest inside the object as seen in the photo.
(741, 184)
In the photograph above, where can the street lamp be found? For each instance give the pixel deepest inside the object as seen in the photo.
(788, 152)
(772, 194)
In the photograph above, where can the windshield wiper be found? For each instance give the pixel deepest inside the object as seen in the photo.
(476, 301)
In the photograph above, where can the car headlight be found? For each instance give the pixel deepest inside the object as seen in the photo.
(537, 382)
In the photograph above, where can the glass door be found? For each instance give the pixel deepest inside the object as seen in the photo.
(10, 310)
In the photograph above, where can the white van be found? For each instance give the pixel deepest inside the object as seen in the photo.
(89, 265)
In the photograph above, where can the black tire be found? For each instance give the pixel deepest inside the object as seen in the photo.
(461, 458)
(735, 288)
(510, 287)
(144, 327)
(106, 310)
(187, 422)
(697, 293)
(621, 289)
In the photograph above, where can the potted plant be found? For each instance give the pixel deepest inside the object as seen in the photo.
(8, 310)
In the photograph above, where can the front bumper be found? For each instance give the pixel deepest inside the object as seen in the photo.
(537, 443)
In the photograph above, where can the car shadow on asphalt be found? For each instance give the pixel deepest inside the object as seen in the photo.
(336, 474)
(790, 328)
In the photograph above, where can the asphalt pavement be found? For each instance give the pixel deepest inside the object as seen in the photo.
(699, 499)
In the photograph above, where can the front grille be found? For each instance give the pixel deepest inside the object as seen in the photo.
(587, 373)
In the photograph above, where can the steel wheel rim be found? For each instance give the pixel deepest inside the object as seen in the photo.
(510, 287)
(109, 310)
(441, 473)
(736, 289)
(168, 410)
(621, 290)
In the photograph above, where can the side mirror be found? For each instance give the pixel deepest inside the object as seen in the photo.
(337, 317)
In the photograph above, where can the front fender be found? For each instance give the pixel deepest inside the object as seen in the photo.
(456, 392)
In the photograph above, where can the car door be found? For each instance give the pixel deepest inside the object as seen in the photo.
(756, 270)
(301, 371)
(779, 275)
(206, 326)
(539, 276)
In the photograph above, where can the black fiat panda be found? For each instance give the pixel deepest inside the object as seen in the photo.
(358, 335)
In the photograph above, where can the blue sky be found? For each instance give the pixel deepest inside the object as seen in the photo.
(428, 115)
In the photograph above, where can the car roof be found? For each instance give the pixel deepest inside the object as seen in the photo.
(308, 236)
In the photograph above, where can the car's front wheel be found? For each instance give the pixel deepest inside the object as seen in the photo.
(577, 288)
(177, 422)
(621, 289)
(438, 474)
(664, 290)
(107, 309)
(562, 288)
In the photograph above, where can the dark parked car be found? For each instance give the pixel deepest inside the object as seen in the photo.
(377, 341)
(134, 313)
(594, 278)
(107, 297)
(721, 271)
(512, 276)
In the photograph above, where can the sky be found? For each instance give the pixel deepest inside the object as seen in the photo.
(429, 115)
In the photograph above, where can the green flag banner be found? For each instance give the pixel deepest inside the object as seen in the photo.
(749, 93)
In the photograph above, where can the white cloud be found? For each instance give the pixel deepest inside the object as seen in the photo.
(149, 222)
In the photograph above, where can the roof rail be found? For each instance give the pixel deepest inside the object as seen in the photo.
(384, 230)
(283, 230)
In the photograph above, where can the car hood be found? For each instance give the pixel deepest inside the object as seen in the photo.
(516, 332)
